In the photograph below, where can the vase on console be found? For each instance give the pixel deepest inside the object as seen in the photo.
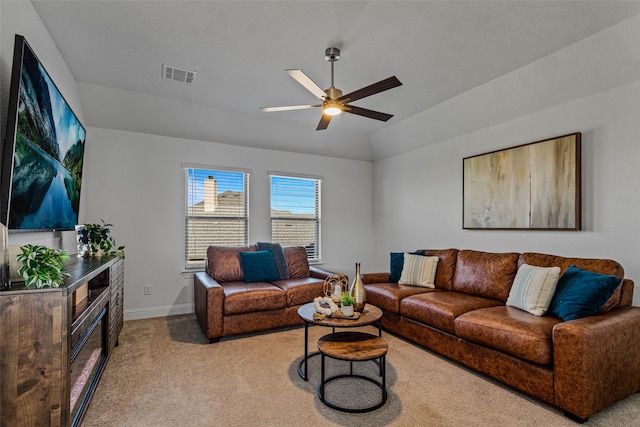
(357, 291)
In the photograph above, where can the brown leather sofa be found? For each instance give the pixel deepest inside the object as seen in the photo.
(227, 305)
(581, 366)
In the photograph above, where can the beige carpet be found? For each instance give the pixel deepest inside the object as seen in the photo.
(164, 373)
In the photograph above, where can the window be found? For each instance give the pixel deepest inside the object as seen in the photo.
(216, 211)
(295, 213)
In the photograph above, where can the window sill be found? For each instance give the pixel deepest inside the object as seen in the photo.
(188, 273)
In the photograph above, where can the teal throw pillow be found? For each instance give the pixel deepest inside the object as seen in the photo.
(278, 257)
(581, 293)
(258, 266)
(396, 263)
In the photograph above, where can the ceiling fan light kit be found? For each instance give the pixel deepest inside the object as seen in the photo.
(332, 108)
(333, 101)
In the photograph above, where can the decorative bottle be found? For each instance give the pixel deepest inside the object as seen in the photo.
(357, 291)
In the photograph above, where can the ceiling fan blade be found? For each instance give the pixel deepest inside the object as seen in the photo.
(305, 81)
(324, 122)
(288, 107)
(364, 112)
(378, 87)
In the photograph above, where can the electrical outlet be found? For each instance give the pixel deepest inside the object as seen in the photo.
(147, 289)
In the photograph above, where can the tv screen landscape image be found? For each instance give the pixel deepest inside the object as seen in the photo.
(43, 152)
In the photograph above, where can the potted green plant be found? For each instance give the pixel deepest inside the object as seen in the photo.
(346, 304)
(99, 240)
(42, 266)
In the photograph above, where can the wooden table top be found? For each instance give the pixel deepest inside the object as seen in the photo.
(353, 346)
(370, 314)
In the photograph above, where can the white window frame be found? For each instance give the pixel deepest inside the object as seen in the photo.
(192, 193)
(314, 254)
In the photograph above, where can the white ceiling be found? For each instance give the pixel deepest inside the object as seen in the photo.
(240, 49)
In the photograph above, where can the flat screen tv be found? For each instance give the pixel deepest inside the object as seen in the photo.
(43, 151)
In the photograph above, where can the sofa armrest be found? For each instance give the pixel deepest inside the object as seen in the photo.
(208, 297)
(319, 273)
(376, 278)
(596, 360)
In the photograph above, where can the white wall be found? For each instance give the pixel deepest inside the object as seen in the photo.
(21, 18)
(418, 195)
(603, 61)
(414, 200)
(136, 182)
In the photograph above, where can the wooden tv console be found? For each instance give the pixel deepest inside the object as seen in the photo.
(55, 343)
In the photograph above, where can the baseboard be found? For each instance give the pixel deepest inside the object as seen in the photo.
(149, 312)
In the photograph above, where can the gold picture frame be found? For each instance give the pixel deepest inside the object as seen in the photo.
(534, 186)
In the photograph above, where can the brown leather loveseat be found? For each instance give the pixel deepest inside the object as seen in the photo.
(580, 366)
(226, 304)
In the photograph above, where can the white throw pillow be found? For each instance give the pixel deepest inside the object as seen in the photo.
(419, 270)
(533, 288)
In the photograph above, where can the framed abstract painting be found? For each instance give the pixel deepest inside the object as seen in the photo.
(534, 186)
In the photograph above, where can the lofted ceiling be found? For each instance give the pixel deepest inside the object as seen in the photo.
(240, 49)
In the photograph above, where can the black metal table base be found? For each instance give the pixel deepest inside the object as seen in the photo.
(381, 385)
(306, 357)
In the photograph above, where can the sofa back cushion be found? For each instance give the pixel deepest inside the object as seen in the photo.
(485, 274)
(278, 257)
(603, 266)
(297, 261)
(223, 262)
(446, 266)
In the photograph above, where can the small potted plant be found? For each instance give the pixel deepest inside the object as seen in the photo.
(99, 240)
(346, 304)
(42, 266)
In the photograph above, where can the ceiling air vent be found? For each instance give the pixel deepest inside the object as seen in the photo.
(182, 75)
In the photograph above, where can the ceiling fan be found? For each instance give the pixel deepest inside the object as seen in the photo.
(333, 101)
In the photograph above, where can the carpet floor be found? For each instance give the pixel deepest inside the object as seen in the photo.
(164, 373)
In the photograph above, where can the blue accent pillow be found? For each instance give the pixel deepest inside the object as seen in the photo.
(396, 263)
(278, 257)
(258, 266)
(581, 293)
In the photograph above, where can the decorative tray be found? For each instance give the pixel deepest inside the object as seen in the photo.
(338, 315)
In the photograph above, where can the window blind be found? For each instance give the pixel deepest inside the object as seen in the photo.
(216, 211)
(295, 213)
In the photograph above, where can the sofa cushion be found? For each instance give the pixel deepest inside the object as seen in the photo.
(243, 297)
(485, 274)
(440, 309)
(297, 261)
(446, 266)
(604, 266)
(581, 293)
(533, 288)
(223, 262)
(510, 330)
(419, 270)
(302, 290)
(258, 266)
(396, 263)
(278, 257)
(387, 296)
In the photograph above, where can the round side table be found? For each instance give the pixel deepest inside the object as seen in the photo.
(370, 315)
(353, 347)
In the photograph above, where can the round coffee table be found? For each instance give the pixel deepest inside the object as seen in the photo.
(353, 347)
(370, 315)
